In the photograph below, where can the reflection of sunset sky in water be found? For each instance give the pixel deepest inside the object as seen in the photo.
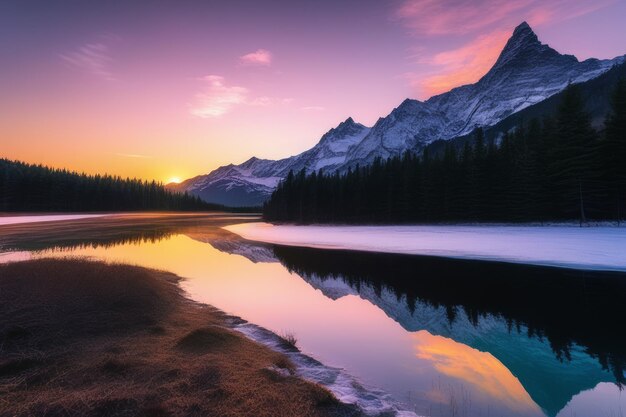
(479, 370)
(428, 372)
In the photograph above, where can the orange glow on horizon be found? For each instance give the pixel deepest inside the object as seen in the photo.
(96, 91)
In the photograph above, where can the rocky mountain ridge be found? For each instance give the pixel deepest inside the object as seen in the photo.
(527, 72)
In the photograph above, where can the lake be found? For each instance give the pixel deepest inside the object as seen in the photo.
(439, 336)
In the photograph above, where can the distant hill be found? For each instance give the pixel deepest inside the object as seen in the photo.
(252, 182)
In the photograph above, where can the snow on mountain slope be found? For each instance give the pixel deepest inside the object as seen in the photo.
(252, 182)
(233, 185)
(526, 72)
(330, 152)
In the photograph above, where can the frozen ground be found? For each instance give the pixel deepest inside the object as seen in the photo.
(599, 248)
(44, 218)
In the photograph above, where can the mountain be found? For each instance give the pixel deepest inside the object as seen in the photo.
(595, 94)
(252, 182)
(526, 73)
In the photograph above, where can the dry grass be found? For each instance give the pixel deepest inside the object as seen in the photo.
(88, 338)
(289, 340)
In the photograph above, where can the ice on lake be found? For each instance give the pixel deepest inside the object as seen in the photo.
(598, 248)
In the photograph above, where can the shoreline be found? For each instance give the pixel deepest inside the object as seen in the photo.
(596, 248)
(538, 224)
(92, 337)
(39, 218)
(346, 388)
(20, 218)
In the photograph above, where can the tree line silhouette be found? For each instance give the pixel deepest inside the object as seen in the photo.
(26, 187)
(557, 168)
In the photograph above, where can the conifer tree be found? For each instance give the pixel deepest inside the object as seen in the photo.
(614, 151)
(545, 170)
(572, 161)
(25, 187)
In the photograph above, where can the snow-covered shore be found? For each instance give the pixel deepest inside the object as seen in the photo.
(596, 248)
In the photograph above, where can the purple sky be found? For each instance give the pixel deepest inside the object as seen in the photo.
(168, 89)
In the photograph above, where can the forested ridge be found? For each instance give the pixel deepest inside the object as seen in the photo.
(26, 187)
(549, 169)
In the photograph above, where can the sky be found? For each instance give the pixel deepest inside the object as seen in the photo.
(173, 89)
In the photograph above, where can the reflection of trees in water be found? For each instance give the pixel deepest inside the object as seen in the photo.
(90, 239)
(106, 232)
(566, 307)
(136, 237)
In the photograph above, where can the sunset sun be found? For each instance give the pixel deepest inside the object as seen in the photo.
(175, 180)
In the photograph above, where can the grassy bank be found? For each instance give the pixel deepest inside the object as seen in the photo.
(87, 338)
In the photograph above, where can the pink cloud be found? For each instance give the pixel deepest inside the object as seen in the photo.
(261, 101)
(458, 17)
(489, 22)
(260, 57)
(460, 66)
(218, 98)
(94, 58)
(436, 17)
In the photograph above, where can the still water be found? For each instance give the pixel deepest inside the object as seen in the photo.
(443, 337)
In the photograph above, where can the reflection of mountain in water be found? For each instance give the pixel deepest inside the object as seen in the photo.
(135, 229)
(558, 331)
(230, 243)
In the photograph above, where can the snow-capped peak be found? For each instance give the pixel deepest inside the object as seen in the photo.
(346, 128)
(523, 38)
(349, 121)
(524, 48)
(525, 73)
(251, 182)
(409, 105)
(523, 30)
